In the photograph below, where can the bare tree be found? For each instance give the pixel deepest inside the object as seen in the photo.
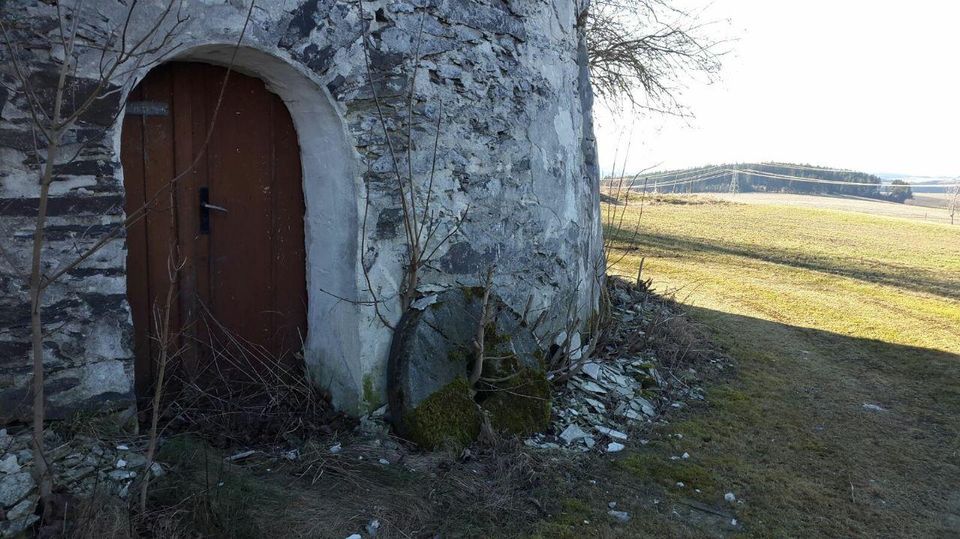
(421, 224)
(121, 55)
(116, 61)
(642, 52)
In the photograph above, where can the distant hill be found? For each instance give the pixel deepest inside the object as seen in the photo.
(764, 177)
(931, 184)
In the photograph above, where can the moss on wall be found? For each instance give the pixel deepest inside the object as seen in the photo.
(371, 399)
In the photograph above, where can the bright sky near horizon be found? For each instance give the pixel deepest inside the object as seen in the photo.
(861, 84)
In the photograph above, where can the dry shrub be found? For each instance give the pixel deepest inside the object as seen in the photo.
(674, 338)
(103, 516)
(493, 490)
(99, 517)
(660, 328)
(242, 395)
(493, 486)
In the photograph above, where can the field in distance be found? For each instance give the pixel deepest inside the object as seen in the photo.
(929, 207)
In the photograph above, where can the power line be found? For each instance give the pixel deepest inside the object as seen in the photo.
(697, 174)
(775, 175)
(704, 177)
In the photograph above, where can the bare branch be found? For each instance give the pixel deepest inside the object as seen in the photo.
(641, 52)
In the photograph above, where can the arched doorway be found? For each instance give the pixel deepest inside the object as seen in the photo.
(233, 220)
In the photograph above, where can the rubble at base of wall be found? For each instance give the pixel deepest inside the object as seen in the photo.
(619, 392)
(83, 466)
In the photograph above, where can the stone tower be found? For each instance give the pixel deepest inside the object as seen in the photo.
(479, 111)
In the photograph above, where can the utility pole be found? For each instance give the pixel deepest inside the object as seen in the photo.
(735, 182)
(954, 203)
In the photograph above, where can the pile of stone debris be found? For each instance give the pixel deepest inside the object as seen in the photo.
(84, 466)
(613, 394)
(602, 404)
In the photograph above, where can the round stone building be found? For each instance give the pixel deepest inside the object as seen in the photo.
(283, 166)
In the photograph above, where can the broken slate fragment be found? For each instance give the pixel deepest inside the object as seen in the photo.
(572, 433)
(587, 385)
(619, 516)
(424, 302)
(643, 405)
(596, 404)
(9, 464)
(614, 447)
(591, 369)
(615, 434)
(22, 509)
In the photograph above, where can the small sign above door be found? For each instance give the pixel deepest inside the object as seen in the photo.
(147, 108)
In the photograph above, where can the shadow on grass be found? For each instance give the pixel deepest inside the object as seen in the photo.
(908, 278)
(791, 434)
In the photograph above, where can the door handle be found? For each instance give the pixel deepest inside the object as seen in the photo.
(205, 207)
(214, 207)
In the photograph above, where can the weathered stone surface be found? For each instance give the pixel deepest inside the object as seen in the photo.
(13, 528)
(9, 464)
(21, 510)
(83, 466)
(14, 487)
(515, 179)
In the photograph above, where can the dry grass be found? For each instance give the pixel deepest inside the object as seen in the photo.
(323, 494)
(824, 310)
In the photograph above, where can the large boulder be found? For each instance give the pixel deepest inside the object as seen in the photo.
(431, 358)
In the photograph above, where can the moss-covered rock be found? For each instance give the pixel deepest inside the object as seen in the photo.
(447, 417)
(520, 405)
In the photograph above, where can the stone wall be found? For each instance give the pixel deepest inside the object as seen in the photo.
(506, 82)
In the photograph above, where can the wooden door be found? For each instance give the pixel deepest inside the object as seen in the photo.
(228, 206)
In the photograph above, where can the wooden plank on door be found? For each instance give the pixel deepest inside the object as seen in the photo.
(138, 280)
(240, 237)
(288, 257)
(191, 174)
(161, 219)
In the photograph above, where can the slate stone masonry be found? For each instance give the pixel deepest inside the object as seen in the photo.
(508, 83)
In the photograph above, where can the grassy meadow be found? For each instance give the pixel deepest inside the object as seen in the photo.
(824, 311)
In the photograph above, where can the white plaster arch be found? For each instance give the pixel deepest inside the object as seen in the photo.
(332, 197)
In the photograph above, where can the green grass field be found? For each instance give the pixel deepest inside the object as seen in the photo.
(824, 311)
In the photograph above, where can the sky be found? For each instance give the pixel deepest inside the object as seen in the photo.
(865, 85)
